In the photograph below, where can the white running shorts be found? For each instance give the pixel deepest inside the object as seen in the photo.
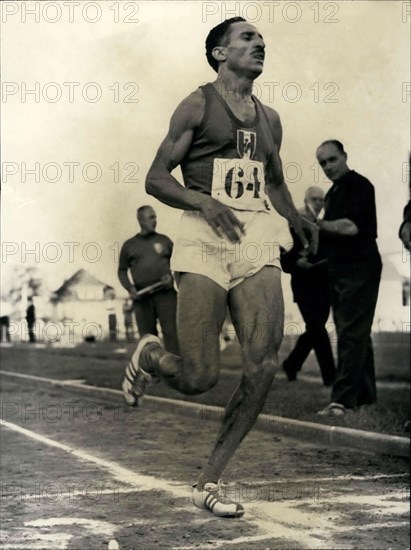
(198, 249)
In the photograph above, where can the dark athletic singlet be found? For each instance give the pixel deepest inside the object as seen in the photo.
(227, 158)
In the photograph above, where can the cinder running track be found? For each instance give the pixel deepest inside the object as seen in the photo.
(79, 471)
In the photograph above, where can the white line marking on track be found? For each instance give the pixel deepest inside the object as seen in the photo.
(73, 494)
(97, 526)
(81, 383)
(46, 541)
(57, 539)
(322, 479)
(119, 473)
(56, 381)
(301, 521)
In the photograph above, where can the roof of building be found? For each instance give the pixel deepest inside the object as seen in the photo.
(81, 278)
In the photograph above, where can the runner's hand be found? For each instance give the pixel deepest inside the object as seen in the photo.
(222, 220)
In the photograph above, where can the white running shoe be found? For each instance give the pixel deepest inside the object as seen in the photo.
(210, 498)
(136, 378)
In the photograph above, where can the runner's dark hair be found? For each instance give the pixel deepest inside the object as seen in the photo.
(217, 36)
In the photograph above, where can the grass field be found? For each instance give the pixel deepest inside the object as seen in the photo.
(103, 364)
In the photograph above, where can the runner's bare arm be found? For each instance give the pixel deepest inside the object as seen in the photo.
(163, 185)
(278, 192)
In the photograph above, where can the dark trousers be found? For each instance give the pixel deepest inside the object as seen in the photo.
(4, 327)
(32, 334)
(162, 306)
(315, 309)
(353, 302)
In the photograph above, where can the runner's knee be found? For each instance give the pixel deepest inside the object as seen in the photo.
(263, 354)
(200, 376)
(196, 386)
(260, 365)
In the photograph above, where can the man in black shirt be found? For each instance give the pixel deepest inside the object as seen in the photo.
(31, 320)
(348, 234)
(147, 256)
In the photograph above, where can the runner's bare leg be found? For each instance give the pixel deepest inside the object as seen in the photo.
(201, 311)
(257, 311)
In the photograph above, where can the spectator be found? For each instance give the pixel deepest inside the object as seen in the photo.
(147, 256)
(31, 320)
(5, 322)
(309, 286)
(405, 227)
(348, 233)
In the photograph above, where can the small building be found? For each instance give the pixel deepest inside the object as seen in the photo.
(88, 308)
(392, 313)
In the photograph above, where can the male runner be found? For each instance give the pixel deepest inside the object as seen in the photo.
(228, 145)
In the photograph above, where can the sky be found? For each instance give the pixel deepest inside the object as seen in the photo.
(88, 91)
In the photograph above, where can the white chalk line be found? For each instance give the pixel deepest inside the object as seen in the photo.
(80, 382)
(56, 539)
(96, 525)
(88, 495)
(280, 520)
(55, 381)
(119, 473)
(43, 542)
(401, 443)
(321, 479)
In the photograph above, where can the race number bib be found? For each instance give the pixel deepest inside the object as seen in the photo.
(239, 183)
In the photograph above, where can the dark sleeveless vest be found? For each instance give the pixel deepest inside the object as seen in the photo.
(227, 158)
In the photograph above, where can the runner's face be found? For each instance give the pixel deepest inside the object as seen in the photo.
(245, 49)
(332, 161)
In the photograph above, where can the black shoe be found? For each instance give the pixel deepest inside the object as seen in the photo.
(291, 373)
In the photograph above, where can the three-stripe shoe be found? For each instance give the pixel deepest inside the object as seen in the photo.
(212, 498)
(136, 378)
